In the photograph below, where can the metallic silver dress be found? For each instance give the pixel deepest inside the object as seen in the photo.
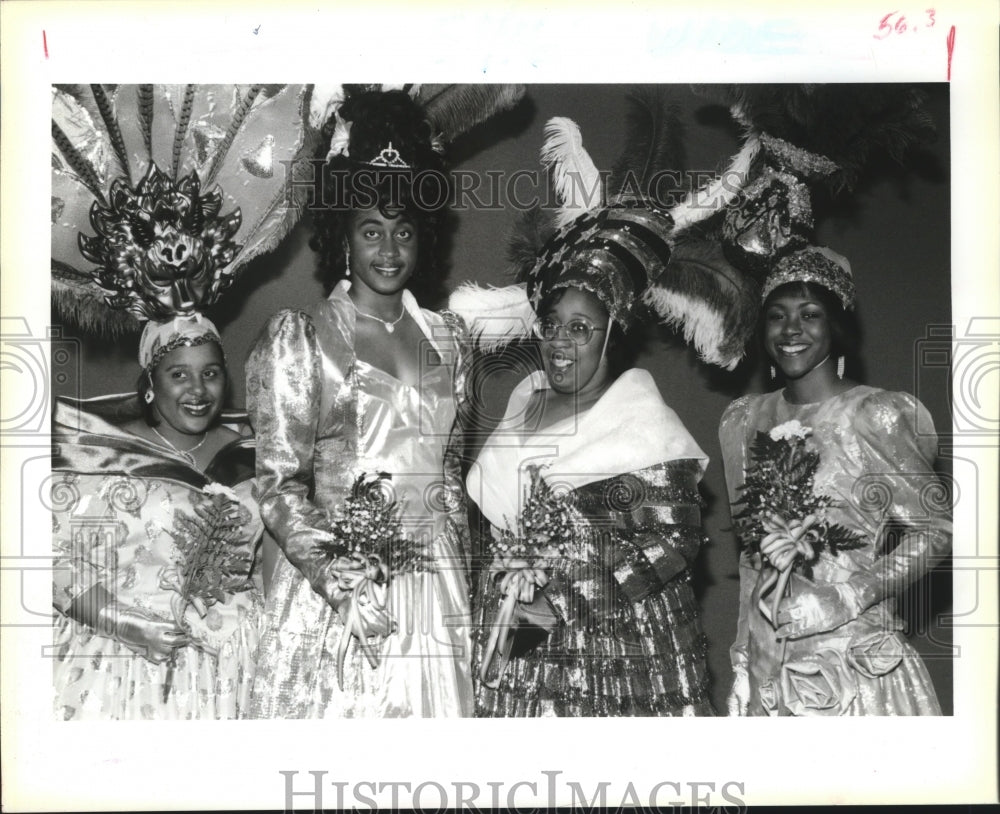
(876, 452)
(322, 419)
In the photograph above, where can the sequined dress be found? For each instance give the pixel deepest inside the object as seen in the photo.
(628, 638)
(121, 506)
(323, 418)
(876, 453)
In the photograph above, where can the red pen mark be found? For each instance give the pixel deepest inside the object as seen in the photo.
(45, 44)
(951, 49)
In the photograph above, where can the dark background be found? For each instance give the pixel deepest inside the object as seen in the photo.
(894, 228)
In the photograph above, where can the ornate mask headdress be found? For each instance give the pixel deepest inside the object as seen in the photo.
(181, 186)
(795, 136)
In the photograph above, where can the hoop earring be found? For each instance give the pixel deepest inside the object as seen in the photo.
(840, 367)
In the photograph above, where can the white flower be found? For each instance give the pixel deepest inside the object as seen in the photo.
(219, 489)
(789, 430)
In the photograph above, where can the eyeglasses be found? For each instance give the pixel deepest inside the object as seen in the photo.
(579, 331)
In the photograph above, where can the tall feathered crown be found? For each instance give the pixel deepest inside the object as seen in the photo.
(181, 185)
(619, 241)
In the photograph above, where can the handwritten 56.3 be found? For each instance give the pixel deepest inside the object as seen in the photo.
(896, 23)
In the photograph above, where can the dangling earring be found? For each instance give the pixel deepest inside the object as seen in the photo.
(774, 373)
(347, 259)
(840, 367)
(148, 397)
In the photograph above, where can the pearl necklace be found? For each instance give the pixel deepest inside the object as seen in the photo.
(184, 453)
(389, 326)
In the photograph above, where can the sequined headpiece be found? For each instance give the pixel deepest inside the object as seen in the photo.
(614, 253)
(814, 264)
(159, 338)
(620, 244)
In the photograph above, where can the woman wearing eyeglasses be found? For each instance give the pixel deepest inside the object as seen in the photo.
(589, 483)
(611, 627)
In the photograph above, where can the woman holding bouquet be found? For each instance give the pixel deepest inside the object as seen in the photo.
(590, 481)
(155, 533)
(839, 511)
(354, 404)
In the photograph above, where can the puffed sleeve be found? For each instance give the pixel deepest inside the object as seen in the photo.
(900, 490)
(659, 519)
(284, 389)
(733, 442)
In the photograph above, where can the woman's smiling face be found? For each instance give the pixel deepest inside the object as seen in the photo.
(189, 386)
(383, 251)
(573, 368)
(797, 334)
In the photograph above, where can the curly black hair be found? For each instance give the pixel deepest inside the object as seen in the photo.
(349, 183)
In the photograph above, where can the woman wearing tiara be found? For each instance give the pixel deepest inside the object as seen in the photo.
(839, 511)
(355, 401)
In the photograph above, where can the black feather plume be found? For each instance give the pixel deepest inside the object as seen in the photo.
(654, 144)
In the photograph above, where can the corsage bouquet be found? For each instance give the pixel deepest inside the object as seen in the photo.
(215, 560)
(781, 516)
(549, 532)
(368, 548)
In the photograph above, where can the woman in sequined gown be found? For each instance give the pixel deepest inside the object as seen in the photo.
(364, 384)
(129, 498)
(836, 647)
(624, 634)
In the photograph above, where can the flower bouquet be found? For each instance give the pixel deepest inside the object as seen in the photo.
(367, 549)
(215, 560)
(781, 517)
(549, 532)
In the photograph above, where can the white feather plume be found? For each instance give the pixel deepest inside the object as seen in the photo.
(495, 316)
(325, 100)
(702, 326)
(705, 202)
(577, 181)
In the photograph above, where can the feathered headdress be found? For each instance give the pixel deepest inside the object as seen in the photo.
(170, 190)
(619, 242)
(795, 136)
(448, 110)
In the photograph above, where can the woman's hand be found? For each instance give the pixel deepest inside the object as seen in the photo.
(819, 609)
(739, 693)
(152, 638)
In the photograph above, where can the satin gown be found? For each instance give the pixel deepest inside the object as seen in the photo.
(120, 505)
(876, 453)
(627, 639)
(322, 419)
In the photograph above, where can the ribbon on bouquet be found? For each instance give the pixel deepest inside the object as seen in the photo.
(518, 586)
(368, 587)
(786, 540)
